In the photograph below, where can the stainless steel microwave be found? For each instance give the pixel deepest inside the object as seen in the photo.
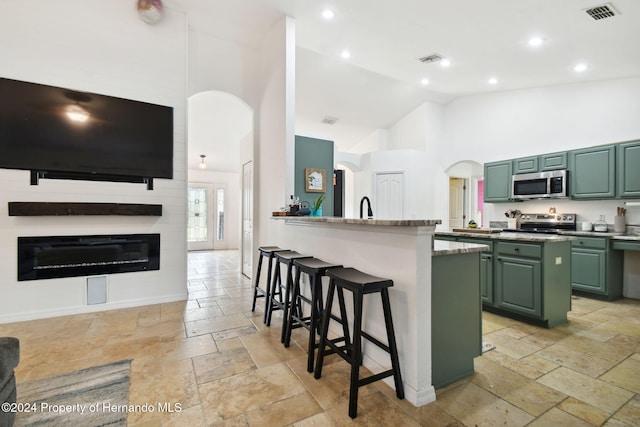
(541, 185)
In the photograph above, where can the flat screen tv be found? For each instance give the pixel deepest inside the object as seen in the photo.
(80, 135)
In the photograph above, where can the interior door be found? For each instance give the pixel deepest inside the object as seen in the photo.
(247, 219)
(389, 200)
(456, 202)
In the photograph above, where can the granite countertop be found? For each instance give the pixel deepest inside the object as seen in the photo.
(444, 247)
(357, 221)
(616, 236)
(510, 235)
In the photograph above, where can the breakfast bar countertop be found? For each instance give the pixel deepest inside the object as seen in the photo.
(358, 221)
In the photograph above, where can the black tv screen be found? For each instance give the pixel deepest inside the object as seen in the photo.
(47, 128)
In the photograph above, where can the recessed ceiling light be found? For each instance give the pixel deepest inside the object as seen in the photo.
(535, 41)
(579, 68)
(445, 62)
(424, 81)
(493, 81)
(328, 14)
(345, 54)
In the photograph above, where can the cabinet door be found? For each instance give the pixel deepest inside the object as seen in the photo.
(519, 285)
(525, 165)
(486, 278)
(588, 270)
(553, 161)
(497, 181)
(592, 173)
(629, 169)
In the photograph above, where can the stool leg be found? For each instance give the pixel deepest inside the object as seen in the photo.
(287, 301)
(275, 283)
(393, 349)
(255, 287)
(325, 329)
(356, 356)
(343, 320)
(314, 322)
(294, 304)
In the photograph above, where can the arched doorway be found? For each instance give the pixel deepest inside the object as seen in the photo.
(466, 184)
(220, 152)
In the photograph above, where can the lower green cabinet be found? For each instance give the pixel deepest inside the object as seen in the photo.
(486, 278)
(456, 316)
(519, 285)
(596, 269)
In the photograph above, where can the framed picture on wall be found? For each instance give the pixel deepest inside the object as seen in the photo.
(315, 180)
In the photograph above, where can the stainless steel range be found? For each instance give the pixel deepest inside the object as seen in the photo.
(546, 223)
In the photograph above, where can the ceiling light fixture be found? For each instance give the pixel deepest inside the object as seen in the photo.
(579, 68)
(535, 41)
(493, 81)
(345, 54)
(150, 11)
(445, 62)
(424, 82)
(76, 113)
(328, 14)
(202, 164)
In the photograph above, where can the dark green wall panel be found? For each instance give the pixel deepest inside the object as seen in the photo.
(318, 154)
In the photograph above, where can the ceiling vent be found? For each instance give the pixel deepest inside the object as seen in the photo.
(329, 120)
(435, 57)
(603, 11)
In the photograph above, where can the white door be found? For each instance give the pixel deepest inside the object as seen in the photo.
(247, 219)
(389, 200)
(456, 202)
(199, 217)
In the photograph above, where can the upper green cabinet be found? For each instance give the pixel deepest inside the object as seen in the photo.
(497, 181)
(553, 161)
(544, 162)
(525, 165)
(629, 169)
(592, 172)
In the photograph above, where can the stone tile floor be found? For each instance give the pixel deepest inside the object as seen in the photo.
(214, 356)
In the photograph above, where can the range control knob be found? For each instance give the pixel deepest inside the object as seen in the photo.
(558, 217)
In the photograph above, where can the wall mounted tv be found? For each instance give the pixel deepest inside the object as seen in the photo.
(61, 133)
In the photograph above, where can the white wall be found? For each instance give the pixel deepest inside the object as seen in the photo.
(109, 50)
(421, 129)
(543, 120)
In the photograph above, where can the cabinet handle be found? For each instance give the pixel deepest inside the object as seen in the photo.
(517, 249)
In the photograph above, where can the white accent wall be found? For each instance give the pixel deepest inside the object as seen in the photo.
(108, 50)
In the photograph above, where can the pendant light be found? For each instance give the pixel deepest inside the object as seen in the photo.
(150, 11)
(202, 164)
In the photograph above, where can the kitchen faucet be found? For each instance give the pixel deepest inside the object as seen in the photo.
(369, 211)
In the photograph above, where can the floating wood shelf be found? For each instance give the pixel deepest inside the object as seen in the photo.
(64, 209)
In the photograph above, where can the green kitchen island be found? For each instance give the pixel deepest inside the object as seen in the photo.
(525, 276)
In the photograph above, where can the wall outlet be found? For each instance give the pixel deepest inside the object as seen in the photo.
(558, 260)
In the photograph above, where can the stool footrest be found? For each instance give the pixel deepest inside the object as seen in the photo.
(375, 377)
(375, 341)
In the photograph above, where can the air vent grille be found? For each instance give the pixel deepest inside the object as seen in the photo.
(329, 120)
(603, 11)
(431, 58)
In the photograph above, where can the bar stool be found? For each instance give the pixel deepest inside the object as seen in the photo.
(279, 290)
(316, 269)
(359, 284)
(258, 292)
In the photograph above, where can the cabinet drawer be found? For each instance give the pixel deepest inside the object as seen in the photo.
(590, 242)
(520, 249)
(478, 242)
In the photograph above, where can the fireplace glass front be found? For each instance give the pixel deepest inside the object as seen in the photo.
(49, 257)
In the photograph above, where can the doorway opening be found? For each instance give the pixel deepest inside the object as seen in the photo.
(466, 188)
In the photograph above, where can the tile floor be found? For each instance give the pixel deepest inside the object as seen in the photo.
(213, 355)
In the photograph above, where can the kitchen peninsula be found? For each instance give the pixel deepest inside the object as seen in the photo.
(400, 250)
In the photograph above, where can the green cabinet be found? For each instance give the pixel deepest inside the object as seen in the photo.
(456, 316)
(628, 166)
(486, 267)
(525, 165)
(497, 181)
(596, 269)
(518, 281)
(592, 172)
(553, 161)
